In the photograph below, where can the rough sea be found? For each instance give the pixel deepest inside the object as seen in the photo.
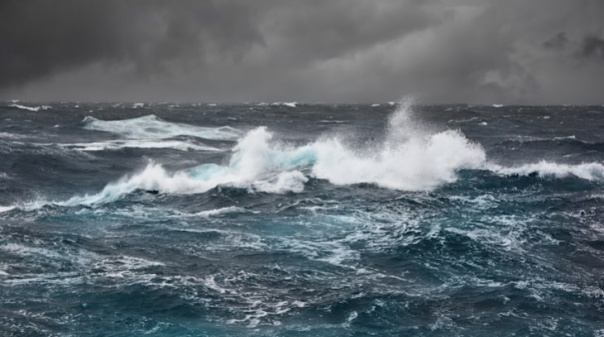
(301, 220)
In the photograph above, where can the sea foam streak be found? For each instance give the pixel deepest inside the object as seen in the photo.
(152, 127)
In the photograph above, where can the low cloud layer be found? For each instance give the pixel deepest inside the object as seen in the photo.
(442, 51)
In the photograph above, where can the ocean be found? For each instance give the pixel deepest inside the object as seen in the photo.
(287, 219)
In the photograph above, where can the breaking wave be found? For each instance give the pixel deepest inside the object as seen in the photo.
(587, 171)
(153, 127)
(411, 159)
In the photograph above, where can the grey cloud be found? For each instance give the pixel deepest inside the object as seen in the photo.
(512, 51)
(592, 46)
(558, 42)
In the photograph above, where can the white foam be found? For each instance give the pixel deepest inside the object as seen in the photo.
(222, 211)
(8, 135)
(25, 206)
(152, 127)
(22, 250)
(571, 137)
(24, 107)
(587, 171)
(497, 105)
(6, 208)
(284, 182)
(140, 144)
(288, 104)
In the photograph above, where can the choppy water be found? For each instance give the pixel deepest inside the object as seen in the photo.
(301, 220)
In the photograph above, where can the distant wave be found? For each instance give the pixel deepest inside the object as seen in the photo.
(30, 108)
(138, 144)
(152, 127)
(287, 104)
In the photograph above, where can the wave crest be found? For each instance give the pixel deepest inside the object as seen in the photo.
(587, 171)
(153, 127)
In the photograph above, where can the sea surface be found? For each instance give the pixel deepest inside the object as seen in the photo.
(287, 219)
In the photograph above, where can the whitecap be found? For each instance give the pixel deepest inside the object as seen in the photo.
(587, 171)
(287, 104)
(6, 208)
(24, 107)
(152, 127)
(139, 144)
(222, 211)
(8, 135)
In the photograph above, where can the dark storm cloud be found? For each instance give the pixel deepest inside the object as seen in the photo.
(40, 37)
(513, 51)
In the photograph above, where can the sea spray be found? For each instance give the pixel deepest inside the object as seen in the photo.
(411, 158)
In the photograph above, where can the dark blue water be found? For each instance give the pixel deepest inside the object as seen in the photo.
(305, 220)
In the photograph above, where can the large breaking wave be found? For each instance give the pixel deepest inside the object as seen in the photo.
(410, 158)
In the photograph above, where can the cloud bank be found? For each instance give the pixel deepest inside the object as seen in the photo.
(443, 51)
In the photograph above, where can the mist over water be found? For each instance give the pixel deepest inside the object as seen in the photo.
(290, 220)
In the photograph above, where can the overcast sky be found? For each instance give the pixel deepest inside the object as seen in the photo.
(440, 51)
